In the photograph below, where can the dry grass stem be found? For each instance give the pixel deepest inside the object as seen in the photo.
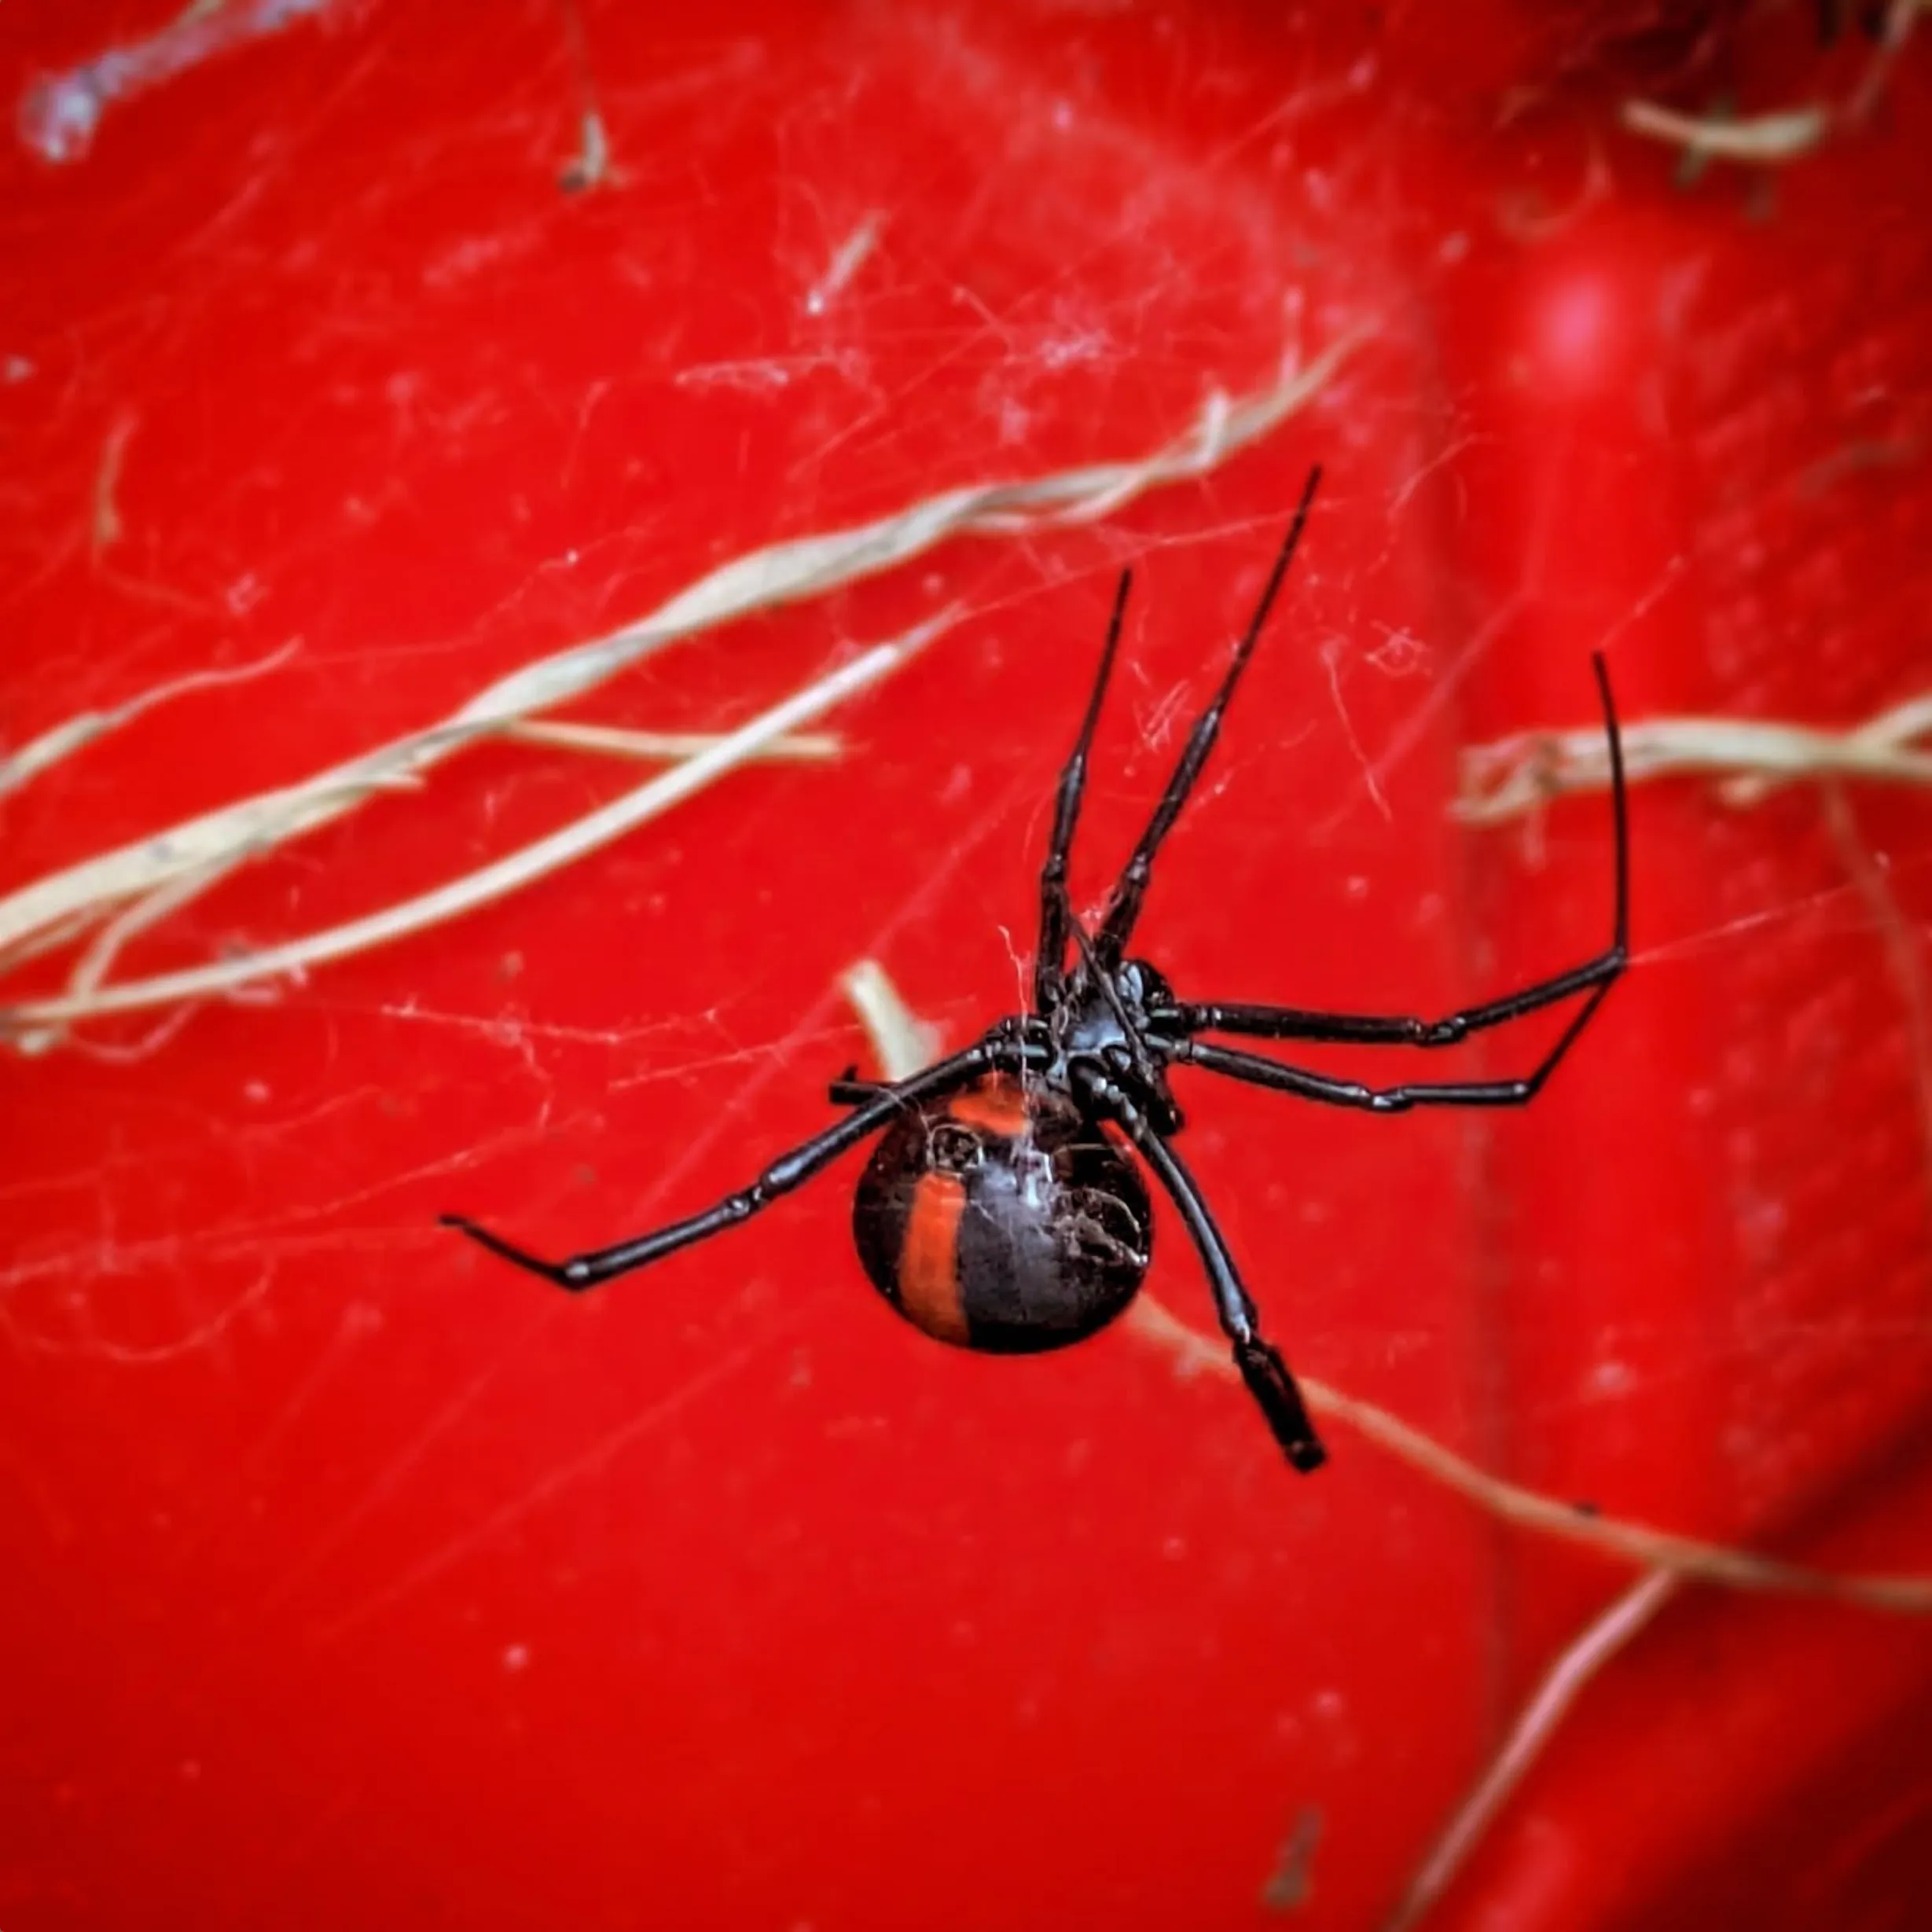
(164, 871)
(1542, 1718)
(901, 1045)
(1517, 774)
(1631, 1542)
(610, 741)
(901, 1042)
(1786, 136)
(494, 881)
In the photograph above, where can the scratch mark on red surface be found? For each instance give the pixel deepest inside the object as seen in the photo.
(845, 262)
(398, 1468)
(724, 1121)
(314, 1829)
(1901, 946)
(590, 167)
(1331, 658)
(106, 531)
(133, 1355)
(359, 1320)
(561, 1477)
(258, 1241)
(59, 1525)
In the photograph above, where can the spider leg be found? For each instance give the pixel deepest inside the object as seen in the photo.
(849, 1090)
(788, 1172)
(1124, 909)
(1289, 1022)
(1056, 916)
(1035, 1047)
(1261, 1072)
(1259, 1361)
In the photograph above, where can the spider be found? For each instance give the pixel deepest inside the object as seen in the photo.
(999, 1210)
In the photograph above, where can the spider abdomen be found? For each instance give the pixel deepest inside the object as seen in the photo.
(1003, 1219)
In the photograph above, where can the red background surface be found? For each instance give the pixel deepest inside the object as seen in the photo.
(353, 1578)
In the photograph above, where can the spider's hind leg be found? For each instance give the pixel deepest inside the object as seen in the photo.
(1267, 1375)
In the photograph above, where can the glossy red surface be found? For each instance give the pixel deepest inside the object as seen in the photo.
(353, 1578)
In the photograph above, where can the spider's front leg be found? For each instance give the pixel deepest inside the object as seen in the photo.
(997, 1051)
(1056, 916)
(1266, 1375)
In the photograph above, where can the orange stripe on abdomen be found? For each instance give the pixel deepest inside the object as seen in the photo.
(998, 1104)
(929, 1291)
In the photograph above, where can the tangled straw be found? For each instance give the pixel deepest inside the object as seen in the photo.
(121, 892)
(1516, 774)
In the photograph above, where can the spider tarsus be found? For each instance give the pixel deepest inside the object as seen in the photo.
(571, 1274)
(1269, 1382)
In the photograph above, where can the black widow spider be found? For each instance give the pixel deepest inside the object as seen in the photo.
(998, 1212)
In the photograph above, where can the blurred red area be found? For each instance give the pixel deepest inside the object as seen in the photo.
(355, 1578)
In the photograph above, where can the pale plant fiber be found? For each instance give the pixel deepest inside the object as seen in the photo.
(120, 892)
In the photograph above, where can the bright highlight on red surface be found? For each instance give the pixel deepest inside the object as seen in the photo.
(1581, 334)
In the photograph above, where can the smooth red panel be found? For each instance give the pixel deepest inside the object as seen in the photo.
(356, 1577)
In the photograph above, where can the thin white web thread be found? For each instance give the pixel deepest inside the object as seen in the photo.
(161, 873)
(40, 753)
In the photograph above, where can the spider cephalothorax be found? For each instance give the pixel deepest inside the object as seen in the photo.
(1001, 1210)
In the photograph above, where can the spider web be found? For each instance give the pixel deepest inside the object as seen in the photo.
(425, 355)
